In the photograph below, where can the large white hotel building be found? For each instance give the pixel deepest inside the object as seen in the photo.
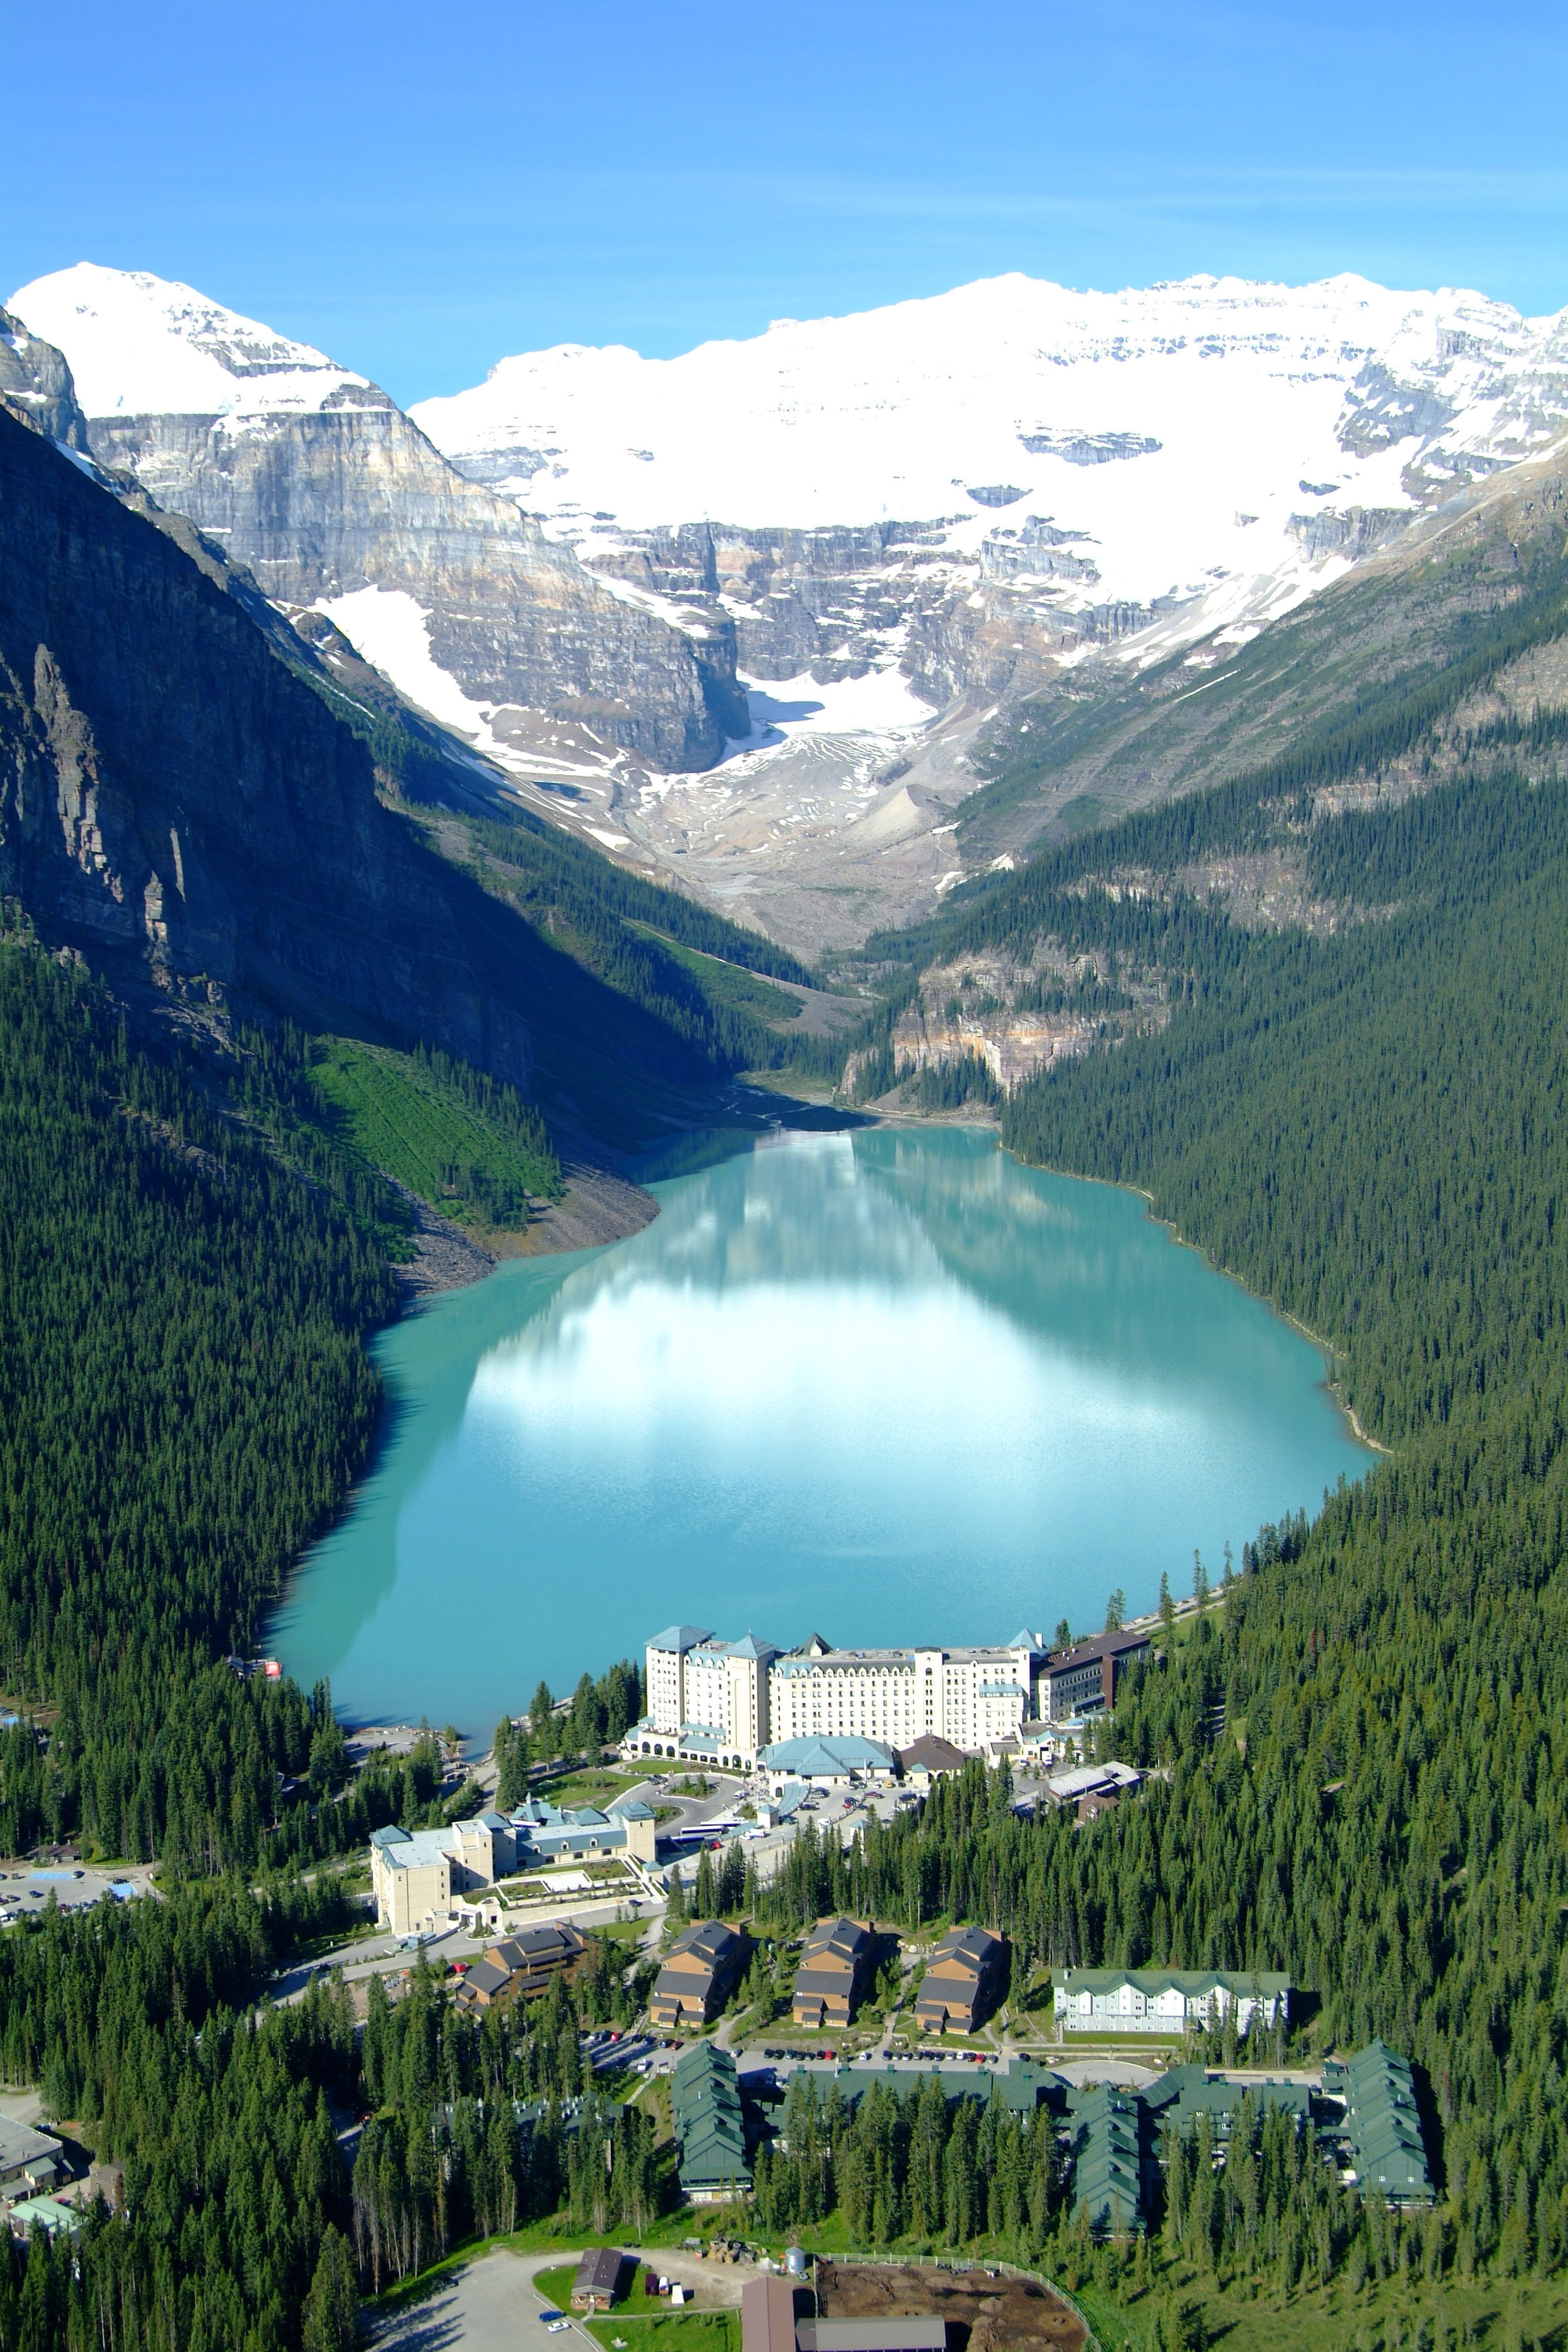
(716, 1702)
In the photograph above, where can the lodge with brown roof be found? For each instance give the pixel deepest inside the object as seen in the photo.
(598, 2279)
(963, 1979)
(521, 1966)
(699, 1973)
(834, 1970)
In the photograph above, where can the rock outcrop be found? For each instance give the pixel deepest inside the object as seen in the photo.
(35, 385)
(315, 481)
(179, 805)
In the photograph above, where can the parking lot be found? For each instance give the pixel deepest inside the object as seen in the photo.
(26, 1888)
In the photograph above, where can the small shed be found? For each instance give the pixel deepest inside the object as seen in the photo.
(598, 2279)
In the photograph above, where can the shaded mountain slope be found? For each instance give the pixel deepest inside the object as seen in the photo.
(190, 799)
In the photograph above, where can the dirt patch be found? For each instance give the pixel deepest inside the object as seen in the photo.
(983, 2313)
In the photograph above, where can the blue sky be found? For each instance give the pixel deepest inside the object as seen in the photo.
(421, 190)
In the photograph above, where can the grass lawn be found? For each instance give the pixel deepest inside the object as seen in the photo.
(623, 1931)
(667, 2331)
(594, 1784)
(1497, 2315)
(556, 2284)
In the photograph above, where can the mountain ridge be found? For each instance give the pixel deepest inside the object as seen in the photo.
(314, 480)
(779, 699)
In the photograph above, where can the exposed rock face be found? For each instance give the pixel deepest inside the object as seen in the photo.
(176, 801)
(1019, 1019)
(313, 479)
(36, 384)
(320, 505)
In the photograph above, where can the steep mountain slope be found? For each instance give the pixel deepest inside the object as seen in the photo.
(178, 802)
(894, 523)
(314, 480)
(1074, 755)
(1447, 657)
(188, 799)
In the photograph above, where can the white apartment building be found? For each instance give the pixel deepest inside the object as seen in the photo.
(723, 1702)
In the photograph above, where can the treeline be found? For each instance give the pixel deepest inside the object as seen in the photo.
(183, 1399)
(899, 2163)
(485, 2122)
(580, 874)
(601, 1713)
(501, 1108)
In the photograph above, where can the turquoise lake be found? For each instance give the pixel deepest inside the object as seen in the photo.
(886, 1385)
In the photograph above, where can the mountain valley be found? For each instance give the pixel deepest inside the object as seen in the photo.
(344, 759)
(758, 618)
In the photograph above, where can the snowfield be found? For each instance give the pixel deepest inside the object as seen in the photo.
(1179, 428)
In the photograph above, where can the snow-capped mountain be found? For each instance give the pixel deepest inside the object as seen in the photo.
(144, 346)
(312, 477)
(740, 612)
(1092, 466)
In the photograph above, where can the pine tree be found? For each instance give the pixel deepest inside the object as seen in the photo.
(330, 2318)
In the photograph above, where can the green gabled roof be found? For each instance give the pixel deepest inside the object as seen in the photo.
(1107, 2174)
(1193, 1982)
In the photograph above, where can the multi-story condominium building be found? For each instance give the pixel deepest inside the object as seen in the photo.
(723, 1702)
(832, 1973)
(521, 1966)
(962, 1980)
(1165, 2001)
(698, 1972)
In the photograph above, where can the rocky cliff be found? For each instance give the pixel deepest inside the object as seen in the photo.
(315, 481)
(177, 802)
(36, 384)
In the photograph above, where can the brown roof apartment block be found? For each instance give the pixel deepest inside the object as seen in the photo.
(960, 1982)
(521, 1966)
(831, 1981)
(1088, 1675)
(699, 1968)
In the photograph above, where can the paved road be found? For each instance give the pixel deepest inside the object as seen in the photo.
(489, 2306)
(492, 2305)
(383, 1955)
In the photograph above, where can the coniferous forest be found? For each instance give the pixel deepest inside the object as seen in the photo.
(1361, 1747)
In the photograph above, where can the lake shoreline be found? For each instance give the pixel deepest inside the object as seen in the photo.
(890, 1382)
